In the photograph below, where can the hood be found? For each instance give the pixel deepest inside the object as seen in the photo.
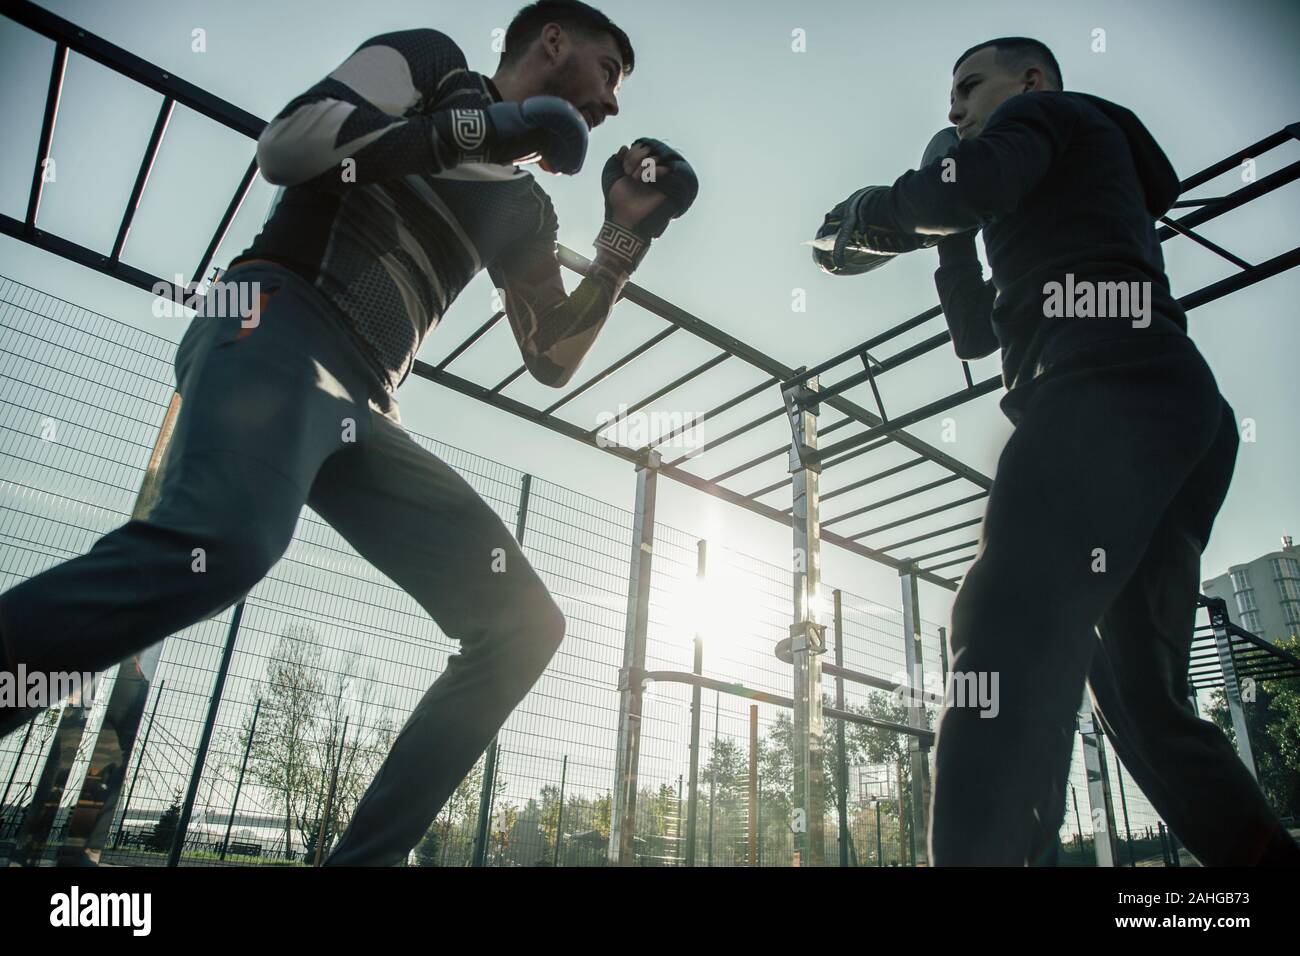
(1156, 173)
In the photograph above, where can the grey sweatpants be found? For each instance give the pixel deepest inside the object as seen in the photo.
(274, 416)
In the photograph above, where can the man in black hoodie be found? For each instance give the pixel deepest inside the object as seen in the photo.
(1104, 497)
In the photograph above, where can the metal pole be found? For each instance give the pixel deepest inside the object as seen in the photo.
(842, 774)
(753, 785)
(22, 749)
(126, 806)
(693, 798)
(680, 848)
(239, 784)
(329, 799)
(880, 853)
(713, 776)
(1231, 689)
(1123, 802)
(178, 838)
(807, 633)
(559, 819)
(1104, 837)
(1078, 821)
(487, 794)
(622, 832)
(918, 750)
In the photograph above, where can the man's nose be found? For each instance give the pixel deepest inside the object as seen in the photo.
(610, 105)
(955, 116)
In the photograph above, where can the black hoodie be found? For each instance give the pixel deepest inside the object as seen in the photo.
(1066, 187)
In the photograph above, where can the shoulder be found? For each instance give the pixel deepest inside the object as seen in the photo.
(430, 55)
(1038, 106)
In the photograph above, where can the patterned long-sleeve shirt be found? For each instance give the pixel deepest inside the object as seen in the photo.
(389, 211)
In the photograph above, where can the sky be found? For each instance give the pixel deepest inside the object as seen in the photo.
(783, 109)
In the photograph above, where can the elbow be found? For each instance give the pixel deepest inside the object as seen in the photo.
(549, 373)
(273, 164)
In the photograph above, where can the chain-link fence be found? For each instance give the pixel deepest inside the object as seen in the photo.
(330, 657)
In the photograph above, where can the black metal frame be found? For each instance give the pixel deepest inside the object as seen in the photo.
(878, 428)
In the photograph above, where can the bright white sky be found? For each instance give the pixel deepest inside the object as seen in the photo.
(777, 137)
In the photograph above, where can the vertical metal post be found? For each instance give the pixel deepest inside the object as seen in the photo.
(209, 724)
(842, 769)
(943, 656)
(713, 776)
(22, 750)
(488, 791)
(880, 855)
(1231, 689)
(622, 831)
(1104, 838)
(1123, 802)
(680, 848)
(559, 818)
(144, 744)
(753, 785)
(807, 633)
(1078, 821)
(323, 832)
(693, 792)
(239, 784)
(918, 750)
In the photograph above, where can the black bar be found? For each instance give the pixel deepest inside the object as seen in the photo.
(61, 31)
(948, 550)
(938, 482)
(226, 219)
(481, 331)
(923, 514)
(1223, 165)
(1197, 238)
(932, 534)
(1265, 270)
(653, 396)
(911, 418)
(1237, 198)
(52, 97)
(854, 486)
(232, 209)
(142, 177)
(605, 373)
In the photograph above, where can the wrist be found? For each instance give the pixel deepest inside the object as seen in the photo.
(620, 246)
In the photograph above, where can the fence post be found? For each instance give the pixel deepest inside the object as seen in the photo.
(622, 831)
(807, 633)
(487, 793)
(209, 724)
(693, 792)
(918, 751)
(239, 784)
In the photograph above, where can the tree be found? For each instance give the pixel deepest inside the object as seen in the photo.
(164, 831)
(1273, 722)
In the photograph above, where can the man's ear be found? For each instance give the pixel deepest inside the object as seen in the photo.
(1034, 79)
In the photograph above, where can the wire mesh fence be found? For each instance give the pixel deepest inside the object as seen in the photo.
(330, 657)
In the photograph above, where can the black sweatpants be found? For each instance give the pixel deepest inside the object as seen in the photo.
(1088, 571)
(275, 416)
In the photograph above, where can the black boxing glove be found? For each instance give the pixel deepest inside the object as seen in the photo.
(679, 186)
(512, 132)
(861, 244)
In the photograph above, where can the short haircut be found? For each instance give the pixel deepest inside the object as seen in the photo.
(1020, 53)
(570, 14)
